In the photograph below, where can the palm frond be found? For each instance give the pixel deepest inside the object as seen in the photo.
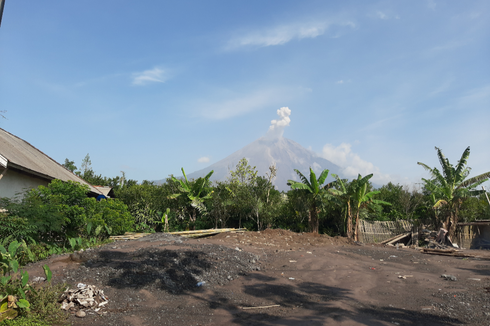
(460, 167)
(314, 183)
(478, 179)
(209, 175)
(323, 176)
(425, 166)
(447, 168)
(380, 202)
(185, 177)
(365, 179)
(303, 178)
(439, 203)
(299, 185)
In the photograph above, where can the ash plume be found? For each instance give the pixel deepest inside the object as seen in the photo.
(276, 128)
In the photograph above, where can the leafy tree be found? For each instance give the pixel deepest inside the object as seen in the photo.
(315, 193)
(450, 187)
(70, 165)
(86, 164)
(404, 201)
(195, 192)
(221, 204)
(241, 183)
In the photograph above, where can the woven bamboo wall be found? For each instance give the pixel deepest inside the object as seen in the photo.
(465, 235)
(377, 231)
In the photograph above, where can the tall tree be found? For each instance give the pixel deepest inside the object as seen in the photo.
(242, 180)
(70, 165)
(451, 186)
(315, 193)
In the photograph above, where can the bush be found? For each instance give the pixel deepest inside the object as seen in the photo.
(60, 211)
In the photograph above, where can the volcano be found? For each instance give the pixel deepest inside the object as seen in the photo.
(285, 153)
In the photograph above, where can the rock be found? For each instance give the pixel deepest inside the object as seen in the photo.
(80, 314)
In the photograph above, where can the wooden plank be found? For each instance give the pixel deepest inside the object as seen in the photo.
(261, 307)
(397, 238)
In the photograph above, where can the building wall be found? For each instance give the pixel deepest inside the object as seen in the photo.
(14, 183)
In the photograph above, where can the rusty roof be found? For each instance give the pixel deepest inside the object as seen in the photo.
(23, 156)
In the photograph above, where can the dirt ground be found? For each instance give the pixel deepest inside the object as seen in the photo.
(275, 277)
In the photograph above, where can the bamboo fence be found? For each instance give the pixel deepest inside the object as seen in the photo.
(377, 231)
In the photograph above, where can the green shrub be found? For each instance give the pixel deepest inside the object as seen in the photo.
(60, 211)
(25, 321)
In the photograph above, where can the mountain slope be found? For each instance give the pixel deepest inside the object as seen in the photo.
(287, 154)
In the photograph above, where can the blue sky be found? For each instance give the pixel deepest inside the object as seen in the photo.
(148, 87)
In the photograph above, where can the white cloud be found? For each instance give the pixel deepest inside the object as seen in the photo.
(155, 75)
(203, 159)
(282, 34)
(276, 128)
(381, 15)
(340, 82)
(352, 164)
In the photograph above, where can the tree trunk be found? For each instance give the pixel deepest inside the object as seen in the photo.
(356, 228)
(349, 222)
(453, 224)
(314, 226)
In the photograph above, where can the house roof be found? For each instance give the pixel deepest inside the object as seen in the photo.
(18, 154)
(106, 191)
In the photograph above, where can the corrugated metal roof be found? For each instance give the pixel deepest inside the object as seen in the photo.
(23, 156)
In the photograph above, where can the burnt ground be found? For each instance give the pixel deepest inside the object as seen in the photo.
(314, 280)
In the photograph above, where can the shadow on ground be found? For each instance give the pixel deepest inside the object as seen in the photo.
(310, 303)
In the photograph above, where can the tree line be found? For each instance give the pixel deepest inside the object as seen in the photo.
(249, 200)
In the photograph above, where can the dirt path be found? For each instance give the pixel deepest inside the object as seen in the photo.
(314, 280)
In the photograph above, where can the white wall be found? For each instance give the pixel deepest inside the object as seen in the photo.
(14, 183)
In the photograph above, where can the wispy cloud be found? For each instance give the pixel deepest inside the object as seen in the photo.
(383, 15)
(451, 45)
(283, 34)
(155, 75)
(443, 87)
(239, 104)
(340, 82)
(203, 159)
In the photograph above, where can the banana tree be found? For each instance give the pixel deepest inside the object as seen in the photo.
(450, 187)
(343, 194)
(195, 193)
(315, 193)
(362, 198)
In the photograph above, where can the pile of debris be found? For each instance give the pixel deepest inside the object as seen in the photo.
(84, 298)
(438, 239)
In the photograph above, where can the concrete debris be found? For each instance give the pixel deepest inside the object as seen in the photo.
(449, 277)
(84, 297)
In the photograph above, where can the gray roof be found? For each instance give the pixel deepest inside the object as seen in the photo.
(21, 155)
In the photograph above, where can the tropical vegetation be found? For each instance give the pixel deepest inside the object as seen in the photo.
(61, 217)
